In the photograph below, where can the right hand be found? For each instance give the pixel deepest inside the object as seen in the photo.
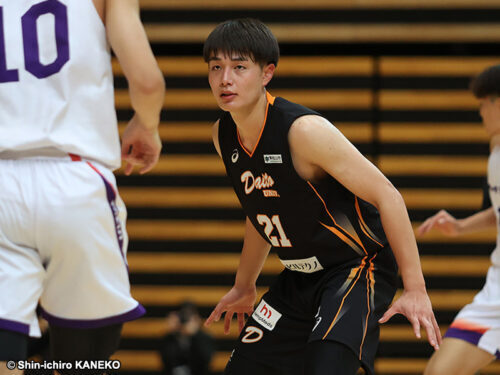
(442, 221)
(237, 300)
(140, 146)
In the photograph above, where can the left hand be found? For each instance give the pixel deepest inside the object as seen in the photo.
(417, 308)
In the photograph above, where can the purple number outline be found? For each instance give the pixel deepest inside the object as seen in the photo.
(31, 48)
(6, 75)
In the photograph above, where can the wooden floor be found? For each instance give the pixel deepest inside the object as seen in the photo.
(392, 75)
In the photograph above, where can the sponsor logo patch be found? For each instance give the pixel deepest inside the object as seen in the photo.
(307, 265)
(273, 159)
(266, 316)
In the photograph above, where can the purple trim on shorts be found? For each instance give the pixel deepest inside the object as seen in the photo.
(471, 337)
(10, 325)
(133, 314)
(463, 334)
(111, 195)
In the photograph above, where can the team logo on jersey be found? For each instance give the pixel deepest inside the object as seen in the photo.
(235, 155)
(273, 159)
(263, 183)
(252, 334)
(266, 316)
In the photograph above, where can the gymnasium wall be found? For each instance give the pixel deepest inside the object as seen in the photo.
(392, 75)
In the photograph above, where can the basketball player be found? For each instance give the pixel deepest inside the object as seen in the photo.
(310, 195)
(62, 223)
(473, 339)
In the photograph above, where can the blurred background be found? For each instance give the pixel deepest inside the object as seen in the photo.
(392, 75)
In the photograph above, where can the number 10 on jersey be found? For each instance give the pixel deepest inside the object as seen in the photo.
(269, 225)
(31, 48)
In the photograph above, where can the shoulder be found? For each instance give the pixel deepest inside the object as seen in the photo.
(309, 126)
(215, 128)
(313, 136)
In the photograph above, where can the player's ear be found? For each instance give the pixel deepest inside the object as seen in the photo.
(268, 72)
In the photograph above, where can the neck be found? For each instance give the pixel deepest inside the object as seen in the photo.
(250, 121)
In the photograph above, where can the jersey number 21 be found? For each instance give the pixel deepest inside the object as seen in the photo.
(32, 61)
(269, 225)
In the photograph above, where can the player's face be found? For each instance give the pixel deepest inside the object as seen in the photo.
(236, 81)
(489, 109)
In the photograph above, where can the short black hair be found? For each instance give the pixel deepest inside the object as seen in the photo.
(487, 83)
(247, 37)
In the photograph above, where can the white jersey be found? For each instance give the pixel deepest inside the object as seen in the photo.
(479, 322)
(494, 187)
(56, 82)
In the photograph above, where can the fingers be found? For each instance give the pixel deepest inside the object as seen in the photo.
(227, 321)
(149, 162)
(432, 335)
(416, 326)
(428, 224)
(388, 315)
(129, 167)
(425, 226)
(437, 330)
(214, 316)
(438, 220)
(241, 321)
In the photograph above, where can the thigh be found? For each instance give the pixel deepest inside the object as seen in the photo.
(457, 357)
(275, 336)
(351, 303)
(21, 280)
(330, 358)
(84, 242)
(21, 270)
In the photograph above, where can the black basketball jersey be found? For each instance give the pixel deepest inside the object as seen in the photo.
(312, 226)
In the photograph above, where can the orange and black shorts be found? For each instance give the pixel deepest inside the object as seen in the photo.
(342, 305)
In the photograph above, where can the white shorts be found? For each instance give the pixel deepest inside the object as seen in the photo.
(63, 246)
(479, 322)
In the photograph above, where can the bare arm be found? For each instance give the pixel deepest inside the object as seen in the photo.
(241, 298)
(317, 145)
(131, 46)
(215, 137)
(450, 226)
(141, 143)
(255, 248)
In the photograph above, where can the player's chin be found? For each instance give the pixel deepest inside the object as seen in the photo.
(225, 106)
(228, 105)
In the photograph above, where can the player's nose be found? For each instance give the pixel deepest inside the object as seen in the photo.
(226, 77)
